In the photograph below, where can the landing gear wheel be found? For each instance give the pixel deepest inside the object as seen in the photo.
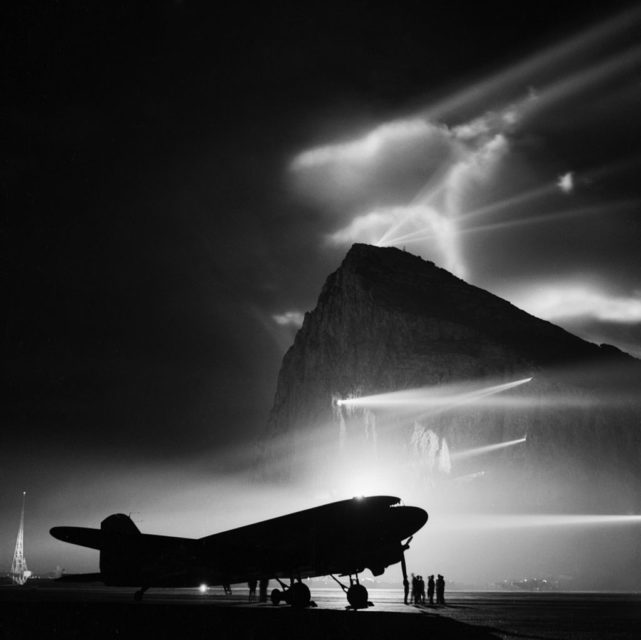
(276, 597)
(299, 595)
(357, 596)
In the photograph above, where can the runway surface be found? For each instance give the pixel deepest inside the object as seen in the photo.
(58, 611)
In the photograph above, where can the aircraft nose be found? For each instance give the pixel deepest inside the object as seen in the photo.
(412, 519)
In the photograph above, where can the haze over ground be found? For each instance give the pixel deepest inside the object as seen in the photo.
(179, 181)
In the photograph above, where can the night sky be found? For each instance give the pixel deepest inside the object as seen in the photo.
(179, 180)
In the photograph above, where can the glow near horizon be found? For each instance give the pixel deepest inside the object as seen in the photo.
(453, 522)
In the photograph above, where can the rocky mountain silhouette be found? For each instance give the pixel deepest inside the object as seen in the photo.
(388, 321)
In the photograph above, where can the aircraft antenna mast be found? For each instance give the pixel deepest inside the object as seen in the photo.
(19, 572)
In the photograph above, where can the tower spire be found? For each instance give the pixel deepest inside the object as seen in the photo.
(19, 571)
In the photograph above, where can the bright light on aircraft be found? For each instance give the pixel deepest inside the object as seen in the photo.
(203, 588)
(359, 481)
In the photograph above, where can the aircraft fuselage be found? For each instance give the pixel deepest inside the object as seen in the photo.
(339, 538)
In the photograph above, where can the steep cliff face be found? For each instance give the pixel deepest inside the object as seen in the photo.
(388, 321)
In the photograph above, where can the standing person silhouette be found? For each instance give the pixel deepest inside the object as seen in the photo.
(252, 589)
(430, 589)
(421, 590)
(440, 589)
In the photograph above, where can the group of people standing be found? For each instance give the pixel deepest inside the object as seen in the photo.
(418, 589)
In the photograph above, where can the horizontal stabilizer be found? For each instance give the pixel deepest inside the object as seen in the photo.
(117, 524)
(82, 536)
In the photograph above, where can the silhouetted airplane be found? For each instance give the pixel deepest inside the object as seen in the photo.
(342, 538)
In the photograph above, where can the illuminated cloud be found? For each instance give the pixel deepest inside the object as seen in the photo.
(558, 301)
(492, 122)
(566, 182)
(364, 150)
(289, 319)
(429, 174)
(475, 170)
(384, 167)
(434, 181)
(421, 175)
(431, 223)
(369, 227)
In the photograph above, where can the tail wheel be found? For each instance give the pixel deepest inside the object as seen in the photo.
(299, 595)
(276, 596)
(357, 596)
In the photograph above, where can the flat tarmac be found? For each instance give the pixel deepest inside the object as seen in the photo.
(62, 611)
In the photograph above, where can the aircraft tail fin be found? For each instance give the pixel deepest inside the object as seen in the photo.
(119, 523)
(120, 551)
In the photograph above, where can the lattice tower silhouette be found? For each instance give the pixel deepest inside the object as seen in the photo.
(19, 571)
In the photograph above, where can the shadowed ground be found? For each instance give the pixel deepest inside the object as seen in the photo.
(95, 620)
(96, 612)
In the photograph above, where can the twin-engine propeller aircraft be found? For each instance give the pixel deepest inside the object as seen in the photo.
(341, 538)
